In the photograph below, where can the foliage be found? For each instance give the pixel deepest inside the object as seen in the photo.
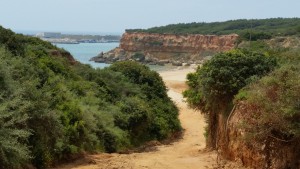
(161, 124)
(52, 108)
(151, 82)
(213, 86)
(13, 129)
(272, 103)
(259, 28)
(219, 79)
(254, 35)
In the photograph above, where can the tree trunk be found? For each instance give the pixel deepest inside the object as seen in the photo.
(212, 130)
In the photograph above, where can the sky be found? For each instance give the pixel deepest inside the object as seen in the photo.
(114, 16)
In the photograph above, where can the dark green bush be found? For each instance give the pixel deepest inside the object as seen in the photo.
(254, 35)
(163, 115)
(14, 132)
(219, 79)
(213, 86)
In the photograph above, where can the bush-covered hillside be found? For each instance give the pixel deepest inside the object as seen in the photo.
(265, 81)
(52, 108)
(275, 100)
(259, 28)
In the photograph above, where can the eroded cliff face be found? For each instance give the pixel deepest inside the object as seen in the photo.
(235, 143)
(134, 42)
(151, 47)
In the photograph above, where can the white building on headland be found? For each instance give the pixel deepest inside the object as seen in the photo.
(48, 35)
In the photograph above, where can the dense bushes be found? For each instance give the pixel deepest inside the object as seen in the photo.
(270, 100)
(51, 110)
(274, 102)
(260, 28)
(213, 86)
(152, 84)
(13, 129)
(219, 79)
(254, 35)
(154, 91)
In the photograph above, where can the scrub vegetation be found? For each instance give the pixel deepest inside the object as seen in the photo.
(53, 108)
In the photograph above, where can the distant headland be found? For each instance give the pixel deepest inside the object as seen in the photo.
(58, 37)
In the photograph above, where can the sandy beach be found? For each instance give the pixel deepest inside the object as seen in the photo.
(175, 78)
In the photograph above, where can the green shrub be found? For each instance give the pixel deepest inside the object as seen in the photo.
(14, 133)
(254, 35)
(273, 102)
(213, 86)
(219, 79)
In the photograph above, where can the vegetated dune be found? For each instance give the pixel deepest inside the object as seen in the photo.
(187, 152)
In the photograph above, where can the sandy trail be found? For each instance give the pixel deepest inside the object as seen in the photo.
(186, 153)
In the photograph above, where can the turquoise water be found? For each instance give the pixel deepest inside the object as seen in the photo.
(83, 52)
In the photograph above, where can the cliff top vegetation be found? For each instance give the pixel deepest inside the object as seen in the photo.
(263, 28)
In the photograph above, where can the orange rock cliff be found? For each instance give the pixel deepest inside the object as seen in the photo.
(153, 47)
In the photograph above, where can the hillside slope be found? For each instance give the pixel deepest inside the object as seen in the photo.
(53, 109)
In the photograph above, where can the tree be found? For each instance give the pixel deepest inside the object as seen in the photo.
(213, 86)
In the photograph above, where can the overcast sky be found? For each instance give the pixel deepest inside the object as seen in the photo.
(118, 15)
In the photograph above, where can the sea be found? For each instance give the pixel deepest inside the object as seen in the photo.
(83, 52)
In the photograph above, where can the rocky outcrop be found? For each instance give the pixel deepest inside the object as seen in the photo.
(134, 42)
(63, 54)
(235, 143)
(161, 48)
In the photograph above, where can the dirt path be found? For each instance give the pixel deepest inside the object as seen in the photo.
(186, 153)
